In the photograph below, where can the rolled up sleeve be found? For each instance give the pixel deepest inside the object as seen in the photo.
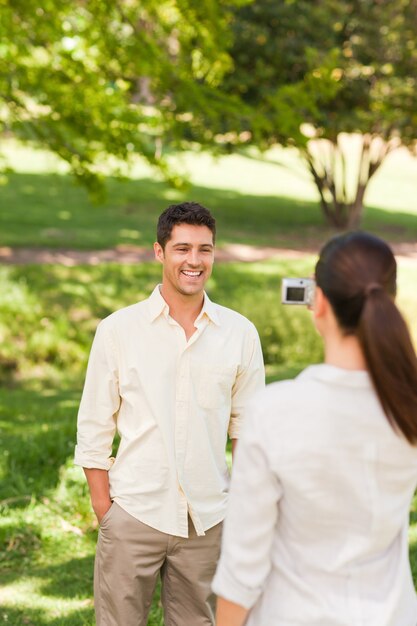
(250, 379)
(99, 404)
(250, 521)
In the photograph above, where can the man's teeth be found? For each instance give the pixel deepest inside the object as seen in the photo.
(188, 273)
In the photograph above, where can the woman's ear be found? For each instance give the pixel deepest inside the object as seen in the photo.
(320, 304)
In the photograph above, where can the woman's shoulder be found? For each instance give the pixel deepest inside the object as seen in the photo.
(290, 389)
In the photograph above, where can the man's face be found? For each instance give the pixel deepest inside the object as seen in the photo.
(187, 259)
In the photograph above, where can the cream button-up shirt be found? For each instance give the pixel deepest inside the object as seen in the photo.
(173, 402)
(316, 527)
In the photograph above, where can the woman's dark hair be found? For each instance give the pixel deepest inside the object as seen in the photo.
(357, 273)
(184, 213)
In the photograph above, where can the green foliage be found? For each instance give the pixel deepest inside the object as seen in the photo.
(101, 78)
(101, 82)
(312, 70)
(343, 66)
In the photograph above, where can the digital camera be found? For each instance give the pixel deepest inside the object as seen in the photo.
(298, 291)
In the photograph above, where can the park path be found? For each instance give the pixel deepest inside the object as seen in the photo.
(134, 254)
(127, 254)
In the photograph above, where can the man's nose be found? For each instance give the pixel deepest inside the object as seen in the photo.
(194, 258)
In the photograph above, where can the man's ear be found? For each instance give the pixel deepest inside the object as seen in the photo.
(159, 252)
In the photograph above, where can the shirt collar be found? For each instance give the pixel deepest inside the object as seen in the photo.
(336, 375)
(158, 306)
(210, 310)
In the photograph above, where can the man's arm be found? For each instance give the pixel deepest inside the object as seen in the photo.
(250, 379)
(234, 443)
(230, 614)
(97, 414)
(98, 483)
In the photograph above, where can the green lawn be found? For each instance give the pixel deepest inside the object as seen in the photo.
(48, 210)
(270, 203)
(48, 315)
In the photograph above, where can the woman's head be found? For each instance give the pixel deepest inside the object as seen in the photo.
(357, 275)
(352, 269)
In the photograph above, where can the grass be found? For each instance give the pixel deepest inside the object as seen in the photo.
(60, 214)
(256, 201)
(48, 315)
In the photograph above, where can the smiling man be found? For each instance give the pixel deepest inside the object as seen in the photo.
(170, 375)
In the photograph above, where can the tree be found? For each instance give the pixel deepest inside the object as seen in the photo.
(314, 72)
(89, 80)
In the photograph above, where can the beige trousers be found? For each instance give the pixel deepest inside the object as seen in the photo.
(130, 557)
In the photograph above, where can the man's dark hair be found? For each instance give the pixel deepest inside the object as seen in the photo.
(184, 213)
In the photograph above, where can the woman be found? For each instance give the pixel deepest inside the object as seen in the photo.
(316, 531)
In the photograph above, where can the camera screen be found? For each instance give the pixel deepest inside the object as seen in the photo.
(295, 294)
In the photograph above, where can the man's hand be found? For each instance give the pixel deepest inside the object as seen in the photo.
(98, 482)
(101, 508)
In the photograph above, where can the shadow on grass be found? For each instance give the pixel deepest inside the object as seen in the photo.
(37, 437)
(19, 542)
(395, 226)
(69, 579)
(55, 586)
(72, 579)
(49, 210)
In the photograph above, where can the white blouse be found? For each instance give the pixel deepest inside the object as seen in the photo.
(317, 522)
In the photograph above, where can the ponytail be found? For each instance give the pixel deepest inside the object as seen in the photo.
(357, 273)
(391, 360)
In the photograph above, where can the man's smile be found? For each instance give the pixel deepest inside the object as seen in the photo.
(191, 273)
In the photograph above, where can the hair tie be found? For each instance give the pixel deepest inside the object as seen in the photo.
(372, 288)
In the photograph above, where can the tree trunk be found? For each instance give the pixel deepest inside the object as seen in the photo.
(356, 209)
(343, 207)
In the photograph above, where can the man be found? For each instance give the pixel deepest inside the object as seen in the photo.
(171, 374)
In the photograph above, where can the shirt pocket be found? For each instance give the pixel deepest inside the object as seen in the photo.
(215, 386)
